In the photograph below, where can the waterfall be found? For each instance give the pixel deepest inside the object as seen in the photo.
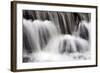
(39, 32)
(55, 36)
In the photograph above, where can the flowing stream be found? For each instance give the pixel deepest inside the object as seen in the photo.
(55, 36)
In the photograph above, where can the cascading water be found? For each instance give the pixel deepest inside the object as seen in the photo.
(40, 32)
(58, 40)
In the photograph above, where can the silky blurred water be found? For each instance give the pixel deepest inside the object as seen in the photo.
(45, 39)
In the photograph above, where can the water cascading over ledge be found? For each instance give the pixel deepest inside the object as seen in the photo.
(55, 36)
